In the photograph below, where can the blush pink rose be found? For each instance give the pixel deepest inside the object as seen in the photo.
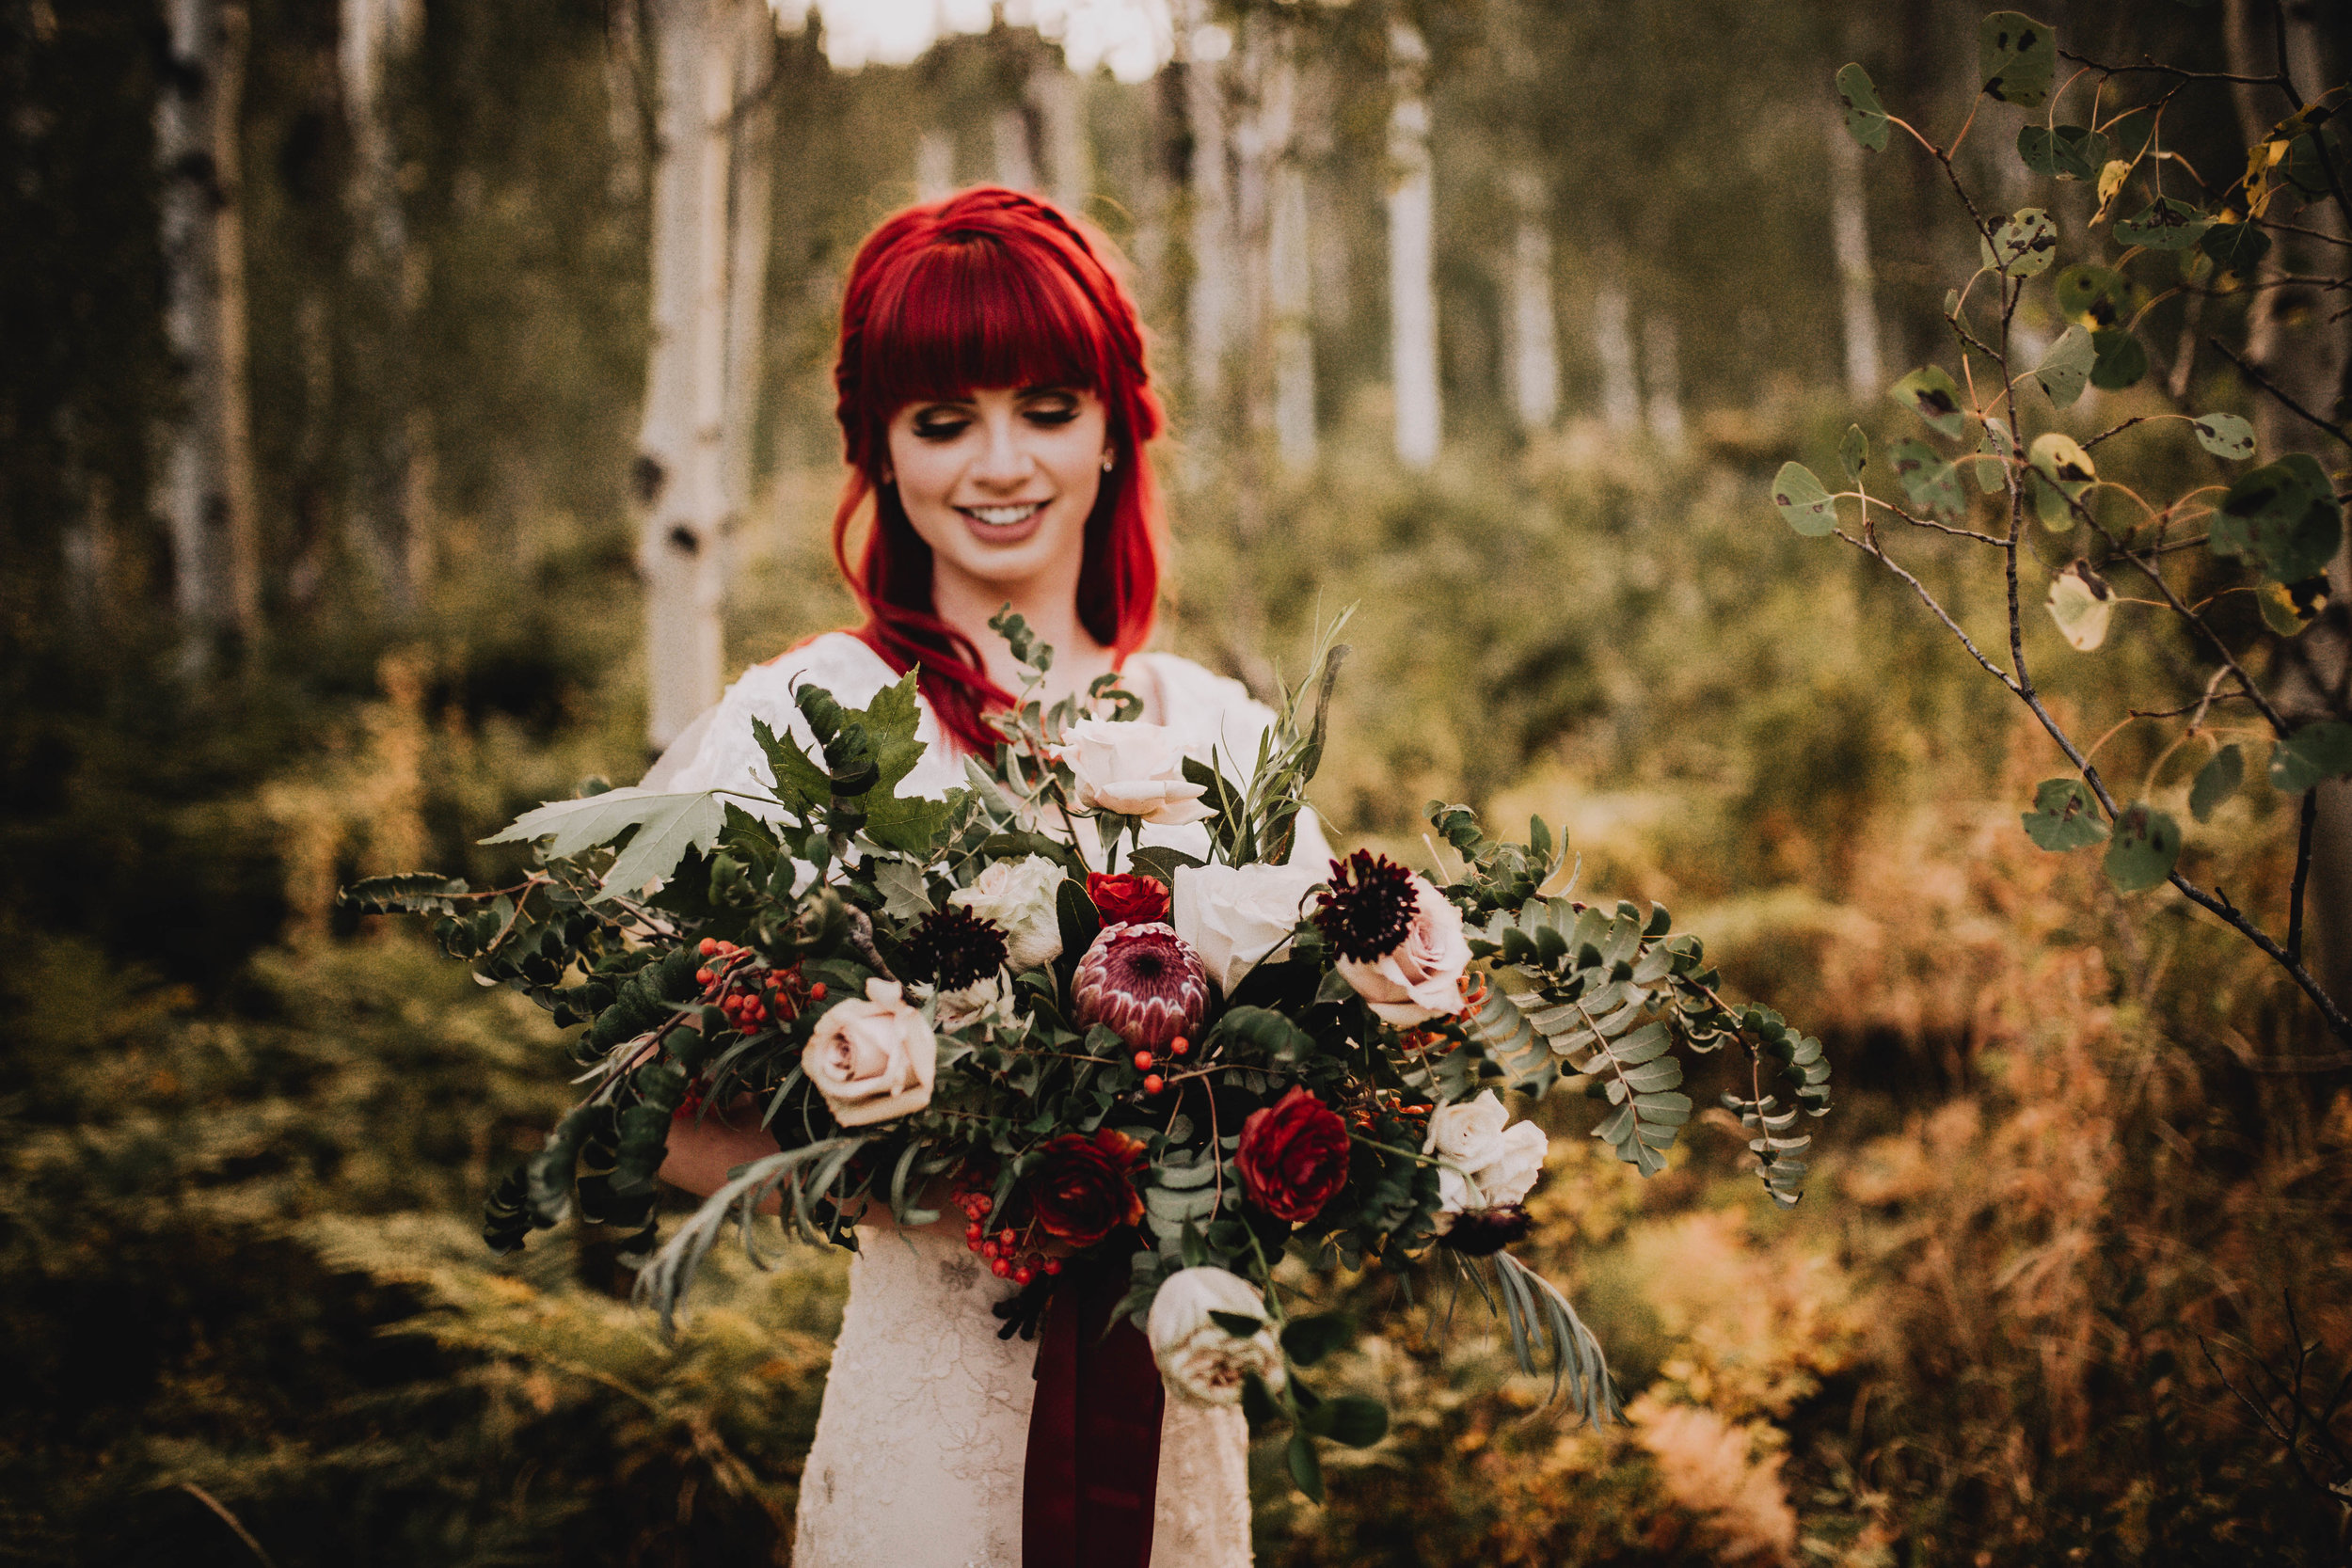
(1421, 977)
(873, 1058)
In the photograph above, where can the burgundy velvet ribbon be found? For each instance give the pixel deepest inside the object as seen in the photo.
(1094, 1433)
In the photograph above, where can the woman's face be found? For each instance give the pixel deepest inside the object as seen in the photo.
(1000, 484)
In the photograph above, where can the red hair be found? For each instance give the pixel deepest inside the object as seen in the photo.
(990, 288)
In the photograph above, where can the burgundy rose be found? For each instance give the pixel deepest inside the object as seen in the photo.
(1293, 1156)
(1085, 1188)
(1128, 898)
(1144, 981)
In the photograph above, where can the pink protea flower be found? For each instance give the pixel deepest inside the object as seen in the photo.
(1144, 981)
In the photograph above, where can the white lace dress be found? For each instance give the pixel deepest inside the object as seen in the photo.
(922, 1442)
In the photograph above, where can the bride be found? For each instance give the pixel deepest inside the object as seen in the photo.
(994, 405)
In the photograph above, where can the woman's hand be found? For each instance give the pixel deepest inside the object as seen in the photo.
(703, 1149)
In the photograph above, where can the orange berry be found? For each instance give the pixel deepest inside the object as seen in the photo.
(1001, 1269)
(1180, 1045)
(702, 977)
(1153, 1083)
(972, 1233)
(982, 1202)
(1143, 1061)
(1005, 1237)
(706, 947)
(1053, 1265)
(817, 992)
(1021, 1276)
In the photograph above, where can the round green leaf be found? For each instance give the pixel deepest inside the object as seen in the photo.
(1934, 396)
(2068, 152)
(1865, 117)
(2315, 751)
(1933, 485)
(2225, 436)
(2065, 815)
(2168, 224)
(2120, 361)
(1853, 453)
(2094, 295)
(2061, 460)
(2290, 607)
(2081, 603)
(2281, 517)
(2238, 247)
(1357, 1420)
(2217, 782)
(2016, 58)
(1991, 467)
(2065, 370)
(2024, 247)
(2146, 847)
(1804, 501)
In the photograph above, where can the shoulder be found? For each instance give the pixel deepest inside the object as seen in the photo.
(1208, 709)
(719, 747)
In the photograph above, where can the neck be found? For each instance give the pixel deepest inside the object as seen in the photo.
(1049, 604)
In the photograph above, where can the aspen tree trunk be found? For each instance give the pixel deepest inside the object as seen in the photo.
(1849, 238)
(680, 465)
(750, 215)
(1613, 345)
(1016, 160)
(1532, 332)
(1210, 309)
(624, 99)
(207, 494)
(1264, 79)
(934, 166)
(1412, 287)
(392, 527)
(1661, 372)
(1294, 308)
(1058, 109)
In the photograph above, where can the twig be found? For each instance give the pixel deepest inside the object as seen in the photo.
(2272, 387)
(1929, 600)
(2302, 873)
(231, 1520)
(2149, 67)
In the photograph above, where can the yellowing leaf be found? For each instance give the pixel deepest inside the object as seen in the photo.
(2111, 180)
(2081, 603)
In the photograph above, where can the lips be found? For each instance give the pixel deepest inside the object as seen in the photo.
(1003, 516)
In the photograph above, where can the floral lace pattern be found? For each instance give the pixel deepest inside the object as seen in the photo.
(924, 1435)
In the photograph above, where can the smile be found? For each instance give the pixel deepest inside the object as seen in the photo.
(1003, 516)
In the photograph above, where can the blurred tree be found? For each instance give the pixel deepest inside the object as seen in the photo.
(1412, 290)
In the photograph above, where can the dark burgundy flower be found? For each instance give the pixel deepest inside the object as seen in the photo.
(953, 948)
(1481, 1232)
(1085, 1187)
(1293, 1156)
(1127, 897)
(1145, 982)
(1368, 908)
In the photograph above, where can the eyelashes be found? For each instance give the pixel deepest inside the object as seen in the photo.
(1050, 417)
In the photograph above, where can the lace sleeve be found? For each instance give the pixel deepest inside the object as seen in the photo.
(724, 752)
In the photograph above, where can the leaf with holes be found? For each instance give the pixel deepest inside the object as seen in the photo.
(2061, 460)
(2016, 58)
(2146, 847)
(2290, 607)
(1933, 485)
(2217, 782)
(2068, 152)
(2065, 370)
(2095, 296)
(1865, 117)
(2225, 436)
(2281, 517)
(2166, 224)
(1804, 501)
(2065, 815)
(2024, 247)
(1934, 397)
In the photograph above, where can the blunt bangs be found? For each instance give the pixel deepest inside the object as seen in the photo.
(966, 313)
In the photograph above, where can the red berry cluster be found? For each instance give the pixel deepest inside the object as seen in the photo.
(751, 994)
(1007, 1252)
(1146, 1061)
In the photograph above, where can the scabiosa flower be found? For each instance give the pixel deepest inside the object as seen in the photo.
(1144, 981)
(1482, 1233)
(1368, 908)
(954, 948)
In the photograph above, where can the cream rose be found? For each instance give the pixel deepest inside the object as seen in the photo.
(872, 1059)
(1134, 769)
(1421, 977)
(1467, 1133)
(1017, 897)
(1488, 1164)
(1234, 915)
(1200, 1359)
(1510, 1176)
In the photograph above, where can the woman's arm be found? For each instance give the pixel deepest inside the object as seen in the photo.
(703, 1149)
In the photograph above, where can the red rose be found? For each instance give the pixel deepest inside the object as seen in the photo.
(1136, 899)
(1085, 1188)
(1293, 1156)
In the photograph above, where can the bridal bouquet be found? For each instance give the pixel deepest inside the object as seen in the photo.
(1127, 1059)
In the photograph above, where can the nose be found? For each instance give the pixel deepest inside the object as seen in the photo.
(1003, 463)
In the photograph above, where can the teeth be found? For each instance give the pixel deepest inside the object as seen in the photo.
(1004, 517)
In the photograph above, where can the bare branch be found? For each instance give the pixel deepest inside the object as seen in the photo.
(2272, 387)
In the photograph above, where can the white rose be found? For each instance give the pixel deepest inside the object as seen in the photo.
(1017, 897)
(1519, 1159)
(1457, 1194)
(1234, 915)
(1200, 1358)
(1467, 1134)
(1134, 769)
(1421, 977)
(872, 1059)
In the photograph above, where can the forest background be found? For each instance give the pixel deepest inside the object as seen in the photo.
(338, 471)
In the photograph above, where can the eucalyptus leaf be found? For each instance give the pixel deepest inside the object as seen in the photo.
(2146, 847)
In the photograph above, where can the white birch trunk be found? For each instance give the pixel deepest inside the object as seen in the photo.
(1412, 286)
(1210, 310)
(1849, 238)
(680, 467)
(750, 217)
(1532, 343)
(207, 495)
(1613, 345)
(1057, 100)
(1293, 309)
(934, 166)
(1661, 368)
(1016, 165)
(625, 99)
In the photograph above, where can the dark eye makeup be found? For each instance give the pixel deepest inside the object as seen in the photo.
(1045, 406)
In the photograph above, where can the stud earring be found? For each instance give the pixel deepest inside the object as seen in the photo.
(1109, 462)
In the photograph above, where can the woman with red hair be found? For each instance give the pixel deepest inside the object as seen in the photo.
(994, 405)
